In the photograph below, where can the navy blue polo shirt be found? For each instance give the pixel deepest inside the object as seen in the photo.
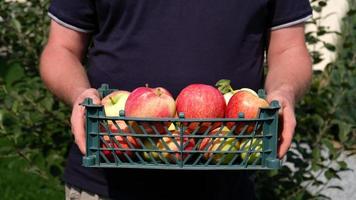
(172, 43)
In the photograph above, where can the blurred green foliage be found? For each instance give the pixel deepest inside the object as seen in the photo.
(16, 183)
(35, 131)
(326, 131)
(34, 126)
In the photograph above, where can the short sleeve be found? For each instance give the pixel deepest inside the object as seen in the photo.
(78, 15)
(285, 13)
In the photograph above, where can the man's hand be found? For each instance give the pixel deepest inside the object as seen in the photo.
(287, 120)
(289, 76)
(78, 117)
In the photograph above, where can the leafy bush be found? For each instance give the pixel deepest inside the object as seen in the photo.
(33, 124)
(326, 117)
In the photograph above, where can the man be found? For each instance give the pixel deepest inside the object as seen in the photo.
(172, 43)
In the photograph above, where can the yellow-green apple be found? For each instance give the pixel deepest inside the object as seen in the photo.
(122, 142)
(254, 146)
(244, 101)
(201, 101)
(226, 145)
(173, 143)
(148, 155)
(113, 103)
(145, 102)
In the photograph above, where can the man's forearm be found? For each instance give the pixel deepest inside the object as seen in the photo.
(289, 72)
(289, 64)
(63, 73)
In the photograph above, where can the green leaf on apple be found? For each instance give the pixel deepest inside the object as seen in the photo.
(224, 86)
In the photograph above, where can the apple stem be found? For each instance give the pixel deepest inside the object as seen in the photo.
(159, 92)
(112, 100)
(146, 85)
(231, 90)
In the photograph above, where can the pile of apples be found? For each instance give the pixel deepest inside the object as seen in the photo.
(196, 101)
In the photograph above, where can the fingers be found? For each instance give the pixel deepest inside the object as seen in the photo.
(287, 120)
(288, 127)
(89, 93)
(77, 122)
(78, 117)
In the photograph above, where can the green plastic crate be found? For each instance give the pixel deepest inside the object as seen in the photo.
(148, 143)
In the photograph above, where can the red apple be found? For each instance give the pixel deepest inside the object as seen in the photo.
(244, 101)
(175, 146)
(124, 142)
(119, 124)
(201, 101)
(145, 102)
(114, 127)
(107, 152)
(223, 144)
